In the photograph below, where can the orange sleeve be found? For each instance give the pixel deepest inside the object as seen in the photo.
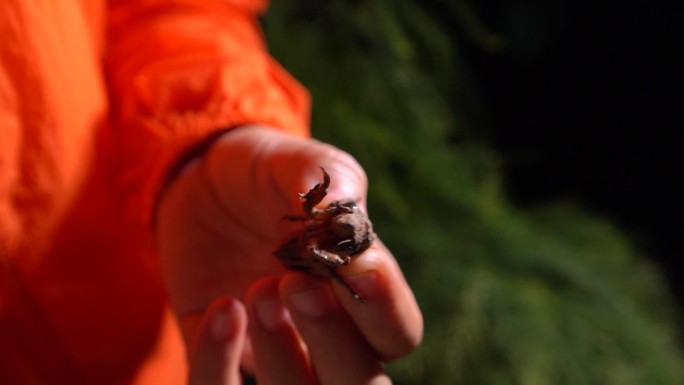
(181, 70)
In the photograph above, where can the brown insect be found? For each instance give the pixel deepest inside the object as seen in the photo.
(330, 237)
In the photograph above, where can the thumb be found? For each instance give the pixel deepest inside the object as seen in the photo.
(266, 161)
(294, 165)
(218, 344)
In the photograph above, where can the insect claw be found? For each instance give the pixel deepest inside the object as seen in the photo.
(326, 179)
(358, 297)
(341, 281)
(316, 194)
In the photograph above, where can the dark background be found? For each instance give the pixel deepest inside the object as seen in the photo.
(584, 102)
(579, 103)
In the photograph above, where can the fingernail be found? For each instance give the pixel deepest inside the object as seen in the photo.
(312, 302)
(222, 323)
(365, 284)
(272, 315)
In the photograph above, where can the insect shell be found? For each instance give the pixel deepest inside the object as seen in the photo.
(330, 237)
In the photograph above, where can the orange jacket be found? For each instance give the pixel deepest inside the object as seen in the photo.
(97, 99)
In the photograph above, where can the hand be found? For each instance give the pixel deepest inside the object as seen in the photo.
(218, 225)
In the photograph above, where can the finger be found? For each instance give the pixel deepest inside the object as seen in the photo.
(291, 165)
(302, 172)
(278, 353)
(339, 352)
(390, 319)
(272, 164)
(217, 349)
(393, 322)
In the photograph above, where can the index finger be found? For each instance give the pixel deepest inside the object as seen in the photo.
(390, 319)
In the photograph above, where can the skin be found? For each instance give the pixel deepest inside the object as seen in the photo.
(217, 227)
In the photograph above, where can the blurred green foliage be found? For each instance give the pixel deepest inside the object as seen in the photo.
(549, 296)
